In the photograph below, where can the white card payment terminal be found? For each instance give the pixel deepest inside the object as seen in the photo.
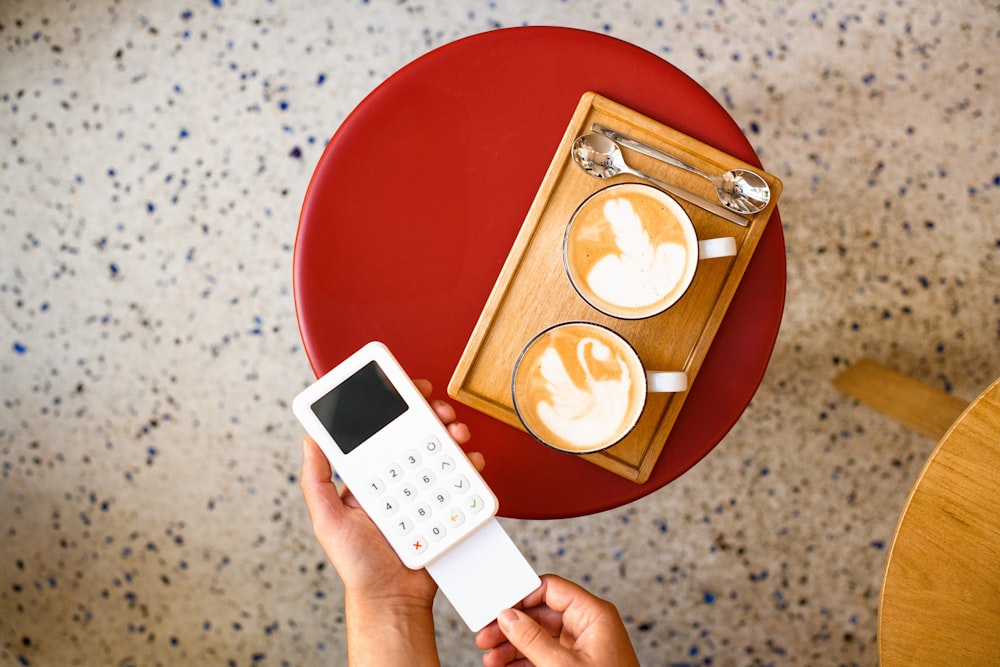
(415, 482)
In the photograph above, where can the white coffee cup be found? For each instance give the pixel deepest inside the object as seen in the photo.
(580, 387)
(631, 251)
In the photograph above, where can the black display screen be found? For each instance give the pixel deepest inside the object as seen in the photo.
(359, 407)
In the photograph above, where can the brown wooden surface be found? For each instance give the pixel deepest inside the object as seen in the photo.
(533, 292)
(905, 399)
(941, 593)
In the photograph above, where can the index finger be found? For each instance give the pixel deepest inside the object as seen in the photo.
(424, 386)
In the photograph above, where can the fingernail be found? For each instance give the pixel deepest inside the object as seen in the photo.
(507, 616)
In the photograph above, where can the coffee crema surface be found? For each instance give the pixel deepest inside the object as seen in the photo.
(579, 387)
(630, 251)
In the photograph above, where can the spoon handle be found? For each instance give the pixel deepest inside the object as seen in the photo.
(646, 149)
(701, 202)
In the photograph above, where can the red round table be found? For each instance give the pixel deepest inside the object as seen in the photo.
(417, 199)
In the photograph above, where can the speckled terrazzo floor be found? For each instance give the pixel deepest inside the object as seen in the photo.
(154, 160)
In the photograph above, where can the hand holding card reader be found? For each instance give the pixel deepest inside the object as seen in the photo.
(415, 482)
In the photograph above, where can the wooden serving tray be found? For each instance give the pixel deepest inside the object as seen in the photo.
(533, 291)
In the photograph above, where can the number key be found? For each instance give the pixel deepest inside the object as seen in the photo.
(408, 491)
(375, 486)
(394, 473)
(402, 525)
(389, 506)
(422, 511)
(436, 531)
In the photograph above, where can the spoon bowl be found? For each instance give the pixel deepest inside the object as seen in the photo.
(599, 156)
(741, 190)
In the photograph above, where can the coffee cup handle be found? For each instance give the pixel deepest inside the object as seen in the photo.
(720, 247)
(666, 381)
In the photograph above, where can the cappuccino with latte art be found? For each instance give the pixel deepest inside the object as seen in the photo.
(579, 387)
(631, 251)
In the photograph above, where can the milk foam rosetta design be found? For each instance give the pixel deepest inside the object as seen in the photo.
(578, 389)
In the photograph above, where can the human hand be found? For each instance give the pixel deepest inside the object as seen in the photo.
(560, 625)
(371, 571)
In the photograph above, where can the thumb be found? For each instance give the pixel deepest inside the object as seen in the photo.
(528, 637)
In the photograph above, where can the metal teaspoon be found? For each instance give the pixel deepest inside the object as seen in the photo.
(740, 190)
(602, 158)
